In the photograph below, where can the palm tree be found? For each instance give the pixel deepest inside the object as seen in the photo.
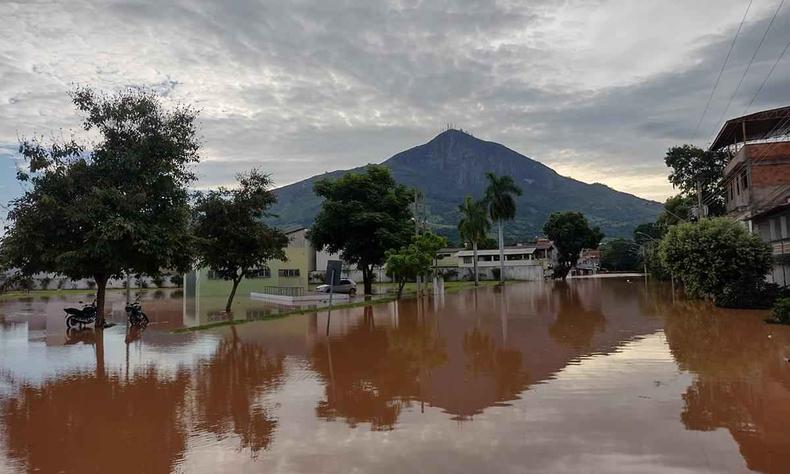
(474, 225)
(501, 207)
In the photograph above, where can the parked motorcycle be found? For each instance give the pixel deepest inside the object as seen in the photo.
(76, 317)
(136, 315)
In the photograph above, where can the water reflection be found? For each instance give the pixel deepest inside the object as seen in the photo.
(88, 422)
(589, 375)
(229, 390)
(742, 381)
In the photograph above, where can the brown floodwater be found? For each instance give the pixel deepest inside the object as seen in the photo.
(596, 375)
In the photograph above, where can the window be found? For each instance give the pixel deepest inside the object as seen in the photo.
(468, 260)
(345, 281)
(288, 272)
(260, 273)
(744, 181)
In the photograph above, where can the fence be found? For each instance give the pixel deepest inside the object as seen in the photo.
(293, 291)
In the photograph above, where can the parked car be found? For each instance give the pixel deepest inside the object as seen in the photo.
(345, 286)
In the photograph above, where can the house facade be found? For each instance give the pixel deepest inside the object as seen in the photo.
(528, 262)
(757, 180)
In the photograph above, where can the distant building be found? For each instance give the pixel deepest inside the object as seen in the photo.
(757, 179)
(522, 261)
(589, 263)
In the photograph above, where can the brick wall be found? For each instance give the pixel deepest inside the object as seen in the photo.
(774, 174)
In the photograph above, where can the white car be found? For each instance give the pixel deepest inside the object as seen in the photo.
(345, 286)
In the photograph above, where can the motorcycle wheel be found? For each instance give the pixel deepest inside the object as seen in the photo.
(143, 318)
(71, 322)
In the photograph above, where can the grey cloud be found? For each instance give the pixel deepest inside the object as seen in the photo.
(304, 87)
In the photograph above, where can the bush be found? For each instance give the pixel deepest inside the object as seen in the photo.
(177, 280)
(751, 295)
(45, 282)
(713, 257)
(781, 311)
(91, 284)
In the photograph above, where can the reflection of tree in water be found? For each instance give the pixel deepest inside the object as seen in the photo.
(483, 358)
(372, 372)
(228, 391)
(574, 325)
(82, 423)
(742, 382)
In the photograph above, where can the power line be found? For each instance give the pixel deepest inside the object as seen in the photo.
(778, 59)
(748, 66)
(724, 65)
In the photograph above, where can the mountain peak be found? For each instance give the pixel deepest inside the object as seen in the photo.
(453, 165)
(454, 134)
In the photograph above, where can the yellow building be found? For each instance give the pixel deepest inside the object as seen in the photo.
(277, 276)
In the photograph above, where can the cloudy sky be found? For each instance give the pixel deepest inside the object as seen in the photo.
(596, 89)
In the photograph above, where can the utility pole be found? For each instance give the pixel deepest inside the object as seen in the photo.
(417, 233)
(700, 212)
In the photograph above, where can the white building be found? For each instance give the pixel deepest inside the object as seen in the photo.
(522, 262)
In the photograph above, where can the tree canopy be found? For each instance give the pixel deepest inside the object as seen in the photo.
(620, 255)
(230, 235)
(647, 232)
(363, 215)
(570, 233)
(474, 227)
(712, 255)
(414, 260)
(690, 164)
(121, 206)
(677, 209)
(501, 199)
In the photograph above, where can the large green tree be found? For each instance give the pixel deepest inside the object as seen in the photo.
(647, 232)
(715, 256)
(677, 209)
(474, 226)
(692, 166)
(363, 215)
(620, 255)
(231, 238)
(570, 233)
(501, 199)
(120, 206)
(416, 259)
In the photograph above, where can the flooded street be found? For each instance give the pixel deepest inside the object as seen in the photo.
(597, 375)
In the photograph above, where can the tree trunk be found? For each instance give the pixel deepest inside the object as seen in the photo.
(401, 284)
(474, 252)
(236, 282)
(501, 253)
(101, 291)
(99, 348)
(367, 280)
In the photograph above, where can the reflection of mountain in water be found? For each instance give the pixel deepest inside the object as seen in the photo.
(464, 360)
